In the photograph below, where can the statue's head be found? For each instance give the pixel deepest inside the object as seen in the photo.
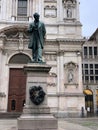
(36, 16)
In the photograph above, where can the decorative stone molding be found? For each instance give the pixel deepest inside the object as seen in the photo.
(51, 74)
(49, 1)
(70, 65)
(2, 94)
(74, 41)
(50, 8)
(51, 80)
(2, 35)
(18, 35)
(70, 94)
(2, 39)
(68, 1)
(50, 57)
(50, 11)
(13, 30)
(67, 85)
(21, 43)
(51, 84)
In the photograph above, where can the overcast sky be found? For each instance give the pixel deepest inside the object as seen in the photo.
(89, 16)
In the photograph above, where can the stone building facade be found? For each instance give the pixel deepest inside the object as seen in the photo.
(62, 50)
(90, 72)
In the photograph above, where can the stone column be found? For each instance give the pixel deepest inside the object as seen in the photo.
(74, 12)
(13, 10)
(0, 65)
(58, 77)
(40, 8)
(37, 5)
(30, 10)
(80, 71)
(78, 12)
(34, 6)
(94, 100)
(59, 10)
(58, 74)
(3, 72)
(2, 37)
(61, 71)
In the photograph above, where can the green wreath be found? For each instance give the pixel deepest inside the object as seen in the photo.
(36, 94)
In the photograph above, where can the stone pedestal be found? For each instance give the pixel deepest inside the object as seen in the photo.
(36, 117)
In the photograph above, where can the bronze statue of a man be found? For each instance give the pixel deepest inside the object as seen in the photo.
(37, 36)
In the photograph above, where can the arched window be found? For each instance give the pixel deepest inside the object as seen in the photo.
(20, 59)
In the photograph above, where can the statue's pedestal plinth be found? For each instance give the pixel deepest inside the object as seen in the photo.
(36, 117)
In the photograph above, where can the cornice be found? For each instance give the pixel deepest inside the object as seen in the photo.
(26, 23)
(71, 94)
(65, 40)
(66, 95)
(77, 23)
(70, 40)
(50, 1)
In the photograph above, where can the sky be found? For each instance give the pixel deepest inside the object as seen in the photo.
(89, 16)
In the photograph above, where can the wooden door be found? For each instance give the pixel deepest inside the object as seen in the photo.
(17, 90)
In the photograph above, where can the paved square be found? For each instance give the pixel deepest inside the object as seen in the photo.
(64, 124)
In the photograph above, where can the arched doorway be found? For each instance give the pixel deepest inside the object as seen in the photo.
(89, 102)
(17, 83)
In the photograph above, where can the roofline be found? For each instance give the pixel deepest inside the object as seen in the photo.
(92, 37)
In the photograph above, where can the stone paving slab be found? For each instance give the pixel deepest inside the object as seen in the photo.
(11, 124)
(86, 122)
(64, 125)
(8, 124)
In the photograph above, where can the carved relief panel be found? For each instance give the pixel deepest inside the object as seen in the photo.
(50, 8)
(50, 57)
(52, 79)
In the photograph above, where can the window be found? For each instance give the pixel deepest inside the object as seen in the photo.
(91, 69)
(96, 66)
(91, 66)
(19, 59)
(90, 50)
(85, 52)
(96, 78)
(96, 72)
(86, 78)
(13, 105)
(95, 51)
(91, 72)
(86, 65)
(22, 7)
(86, 71)
(91, 78)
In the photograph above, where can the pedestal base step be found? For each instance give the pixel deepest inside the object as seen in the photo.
(40, 122)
